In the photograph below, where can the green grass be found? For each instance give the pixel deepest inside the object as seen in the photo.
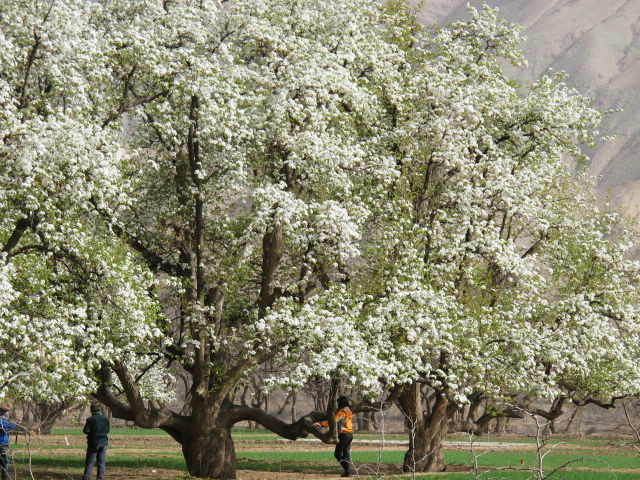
(491, 459)
(552, 460)
(77, 461)
(237, 433)
(321, 461)
(241, 433)
(571, 440)
(260, 434)
(513, 475)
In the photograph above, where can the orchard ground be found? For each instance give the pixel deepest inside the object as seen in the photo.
(150, 454)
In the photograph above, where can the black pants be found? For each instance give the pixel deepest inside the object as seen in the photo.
(4, 462)
(95, 454)
(343, 450)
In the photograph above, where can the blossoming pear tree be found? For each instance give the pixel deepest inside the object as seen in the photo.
(69, 293)
(490, 269)
(251, 136)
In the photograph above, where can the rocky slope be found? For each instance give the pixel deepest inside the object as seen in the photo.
(598, 43)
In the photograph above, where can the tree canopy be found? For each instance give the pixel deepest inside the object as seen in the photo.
(70, 293)
(205, 186)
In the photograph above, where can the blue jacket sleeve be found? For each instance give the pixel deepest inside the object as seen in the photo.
(6, 426)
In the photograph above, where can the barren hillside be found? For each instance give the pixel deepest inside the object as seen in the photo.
(598, 43)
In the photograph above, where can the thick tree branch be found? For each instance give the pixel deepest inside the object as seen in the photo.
(134, 398)
(292, 431)
(154, 261)
(126, 107)
(235, 373)
(606, 405)
(136, 410)
(31, 57)
(195, 167)
(385, 404)
(556, 410)
(19, 229)
(271, 255)
(28, 248)
(105, 395)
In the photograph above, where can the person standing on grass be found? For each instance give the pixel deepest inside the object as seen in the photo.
(344, 424)
(5, 428)
(96, 428)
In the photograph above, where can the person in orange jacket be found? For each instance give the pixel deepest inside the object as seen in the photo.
(344, 423)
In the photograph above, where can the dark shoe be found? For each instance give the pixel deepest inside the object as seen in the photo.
(346, 474)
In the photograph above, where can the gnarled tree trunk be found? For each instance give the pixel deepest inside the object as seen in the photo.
(211, 454)
(426, 430)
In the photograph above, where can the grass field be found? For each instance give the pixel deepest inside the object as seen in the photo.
(136, 454)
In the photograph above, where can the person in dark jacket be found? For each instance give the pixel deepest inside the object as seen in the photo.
(344, 423)
(96, 428)
(5, 428)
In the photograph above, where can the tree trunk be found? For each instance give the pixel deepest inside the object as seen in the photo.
(373, 420)
(426, 432)
(501, 425)
(211, 455)
(26, 413)
(46, 427)
(294, 411)
(361, 422)
(425, 452)
(367, 422)
(573, 416)
(43, 415)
